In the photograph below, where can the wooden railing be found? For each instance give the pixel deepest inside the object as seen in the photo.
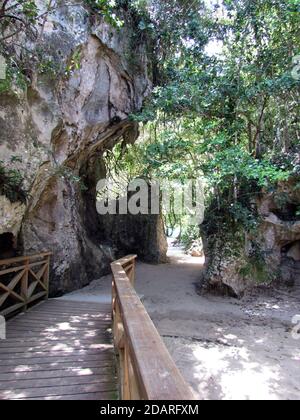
(22, 281)
(147, 371)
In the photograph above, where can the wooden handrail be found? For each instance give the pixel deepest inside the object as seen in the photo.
(147, 371)
(24, 258)
(23, 280)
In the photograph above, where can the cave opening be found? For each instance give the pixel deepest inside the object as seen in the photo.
(287, 213)
(290, 263)
(7, 245)
(292, 250)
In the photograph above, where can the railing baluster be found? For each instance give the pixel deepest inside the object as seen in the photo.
(24, 283)
(126, 386)
(47, 275)
(25, 264)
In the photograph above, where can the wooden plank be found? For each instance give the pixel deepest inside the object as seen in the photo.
(64, 318)
(41, 272)
(125, 260)
(52, 382)
(64, 315)
(62, 373)
(13, 339)
(74, 309)
(16, 280)
(38, 354)
(51, 334)
(57, 391)
(61, 315)
(77, 304)
(12, 270)
(21, 267)
(57, 320)
(63, 325)
(97, 396)
(20, 259)
(61, 365)
(31, 288)
(11, 309)
(3, 298)
(56, 358)
(44, 316)
(52, 347)
(36, 296)
(37, 280)
(42, 330)
(11, 292)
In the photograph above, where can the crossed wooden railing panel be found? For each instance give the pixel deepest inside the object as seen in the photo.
(22, 281)
(146, 369)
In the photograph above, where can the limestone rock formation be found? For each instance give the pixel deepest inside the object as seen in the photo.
(59, 127)
(11, 216)
(271, 254)
(279, 233)
(142, 234)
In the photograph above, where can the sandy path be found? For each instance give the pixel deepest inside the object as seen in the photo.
(226, 349)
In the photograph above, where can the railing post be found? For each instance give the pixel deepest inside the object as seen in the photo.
(131, 273)
(24, 284)
(126, 378)
(47, 274)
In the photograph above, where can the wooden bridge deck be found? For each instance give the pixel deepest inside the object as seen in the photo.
(59, 350)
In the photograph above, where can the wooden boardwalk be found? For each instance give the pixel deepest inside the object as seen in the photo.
(59, 350)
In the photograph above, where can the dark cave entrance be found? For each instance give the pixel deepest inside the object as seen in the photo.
(290, 263)
(7, 245)
(288, 212)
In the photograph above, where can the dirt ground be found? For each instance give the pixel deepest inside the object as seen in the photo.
(226, 349)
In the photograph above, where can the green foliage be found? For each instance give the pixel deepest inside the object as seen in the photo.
(14, 77)
(29, 10)
(11, 181)
(255, 267)
(48, 67)
(189, 234)
(74, 63)
(107, 8)
(67, 174)
(230, 117)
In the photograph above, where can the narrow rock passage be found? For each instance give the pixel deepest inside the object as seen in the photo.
(225, 348)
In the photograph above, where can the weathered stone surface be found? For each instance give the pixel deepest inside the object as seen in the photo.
(11, 216)
(294, 251)
(224, 261)
(141, 234)
(233, 264)
(60, 126)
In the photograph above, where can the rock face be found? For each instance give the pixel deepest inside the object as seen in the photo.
(11, 216)
(238, 263)
(60, 127)
(225, 260)
(279, 233)
(142, 235)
